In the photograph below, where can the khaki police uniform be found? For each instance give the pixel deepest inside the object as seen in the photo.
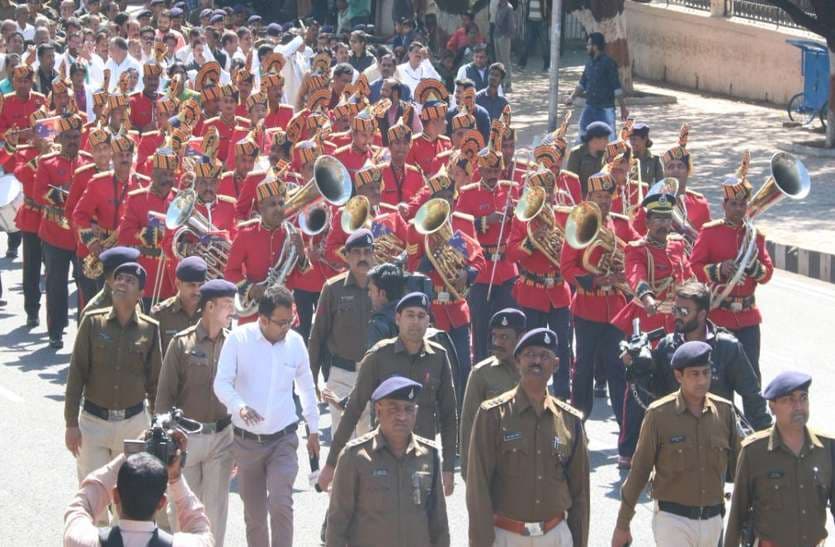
(786, 493)
(528, 474)
(378, 499)
(102, 299)
(584, 163)
(186, 379)
(489, 378)
(436, 401)
(340, 330)
(690, 457)
(114, 368)
(172, 318)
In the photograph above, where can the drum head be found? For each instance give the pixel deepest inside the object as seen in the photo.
(10, 189)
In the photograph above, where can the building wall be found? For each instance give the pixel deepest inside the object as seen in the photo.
(722, 55)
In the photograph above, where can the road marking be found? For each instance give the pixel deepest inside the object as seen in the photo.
(803, 288)
(10, 395)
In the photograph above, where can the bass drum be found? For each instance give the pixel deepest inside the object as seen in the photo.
(11, 199)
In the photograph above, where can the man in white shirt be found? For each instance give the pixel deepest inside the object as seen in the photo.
(416, 68)
(119, 61)
(258, 365)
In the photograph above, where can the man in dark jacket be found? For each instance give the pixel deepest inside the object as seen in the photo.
(731, 370)
(385, 287)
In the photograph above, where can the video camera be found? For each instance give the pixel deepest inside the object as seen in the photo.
(638, 348)
(158, 440)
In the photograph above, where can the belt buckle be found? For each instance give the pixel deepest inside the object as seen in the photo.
(736, 307)
(115, 415)
(444, 297)
(495, 257)
(549, 282)
(534, 529)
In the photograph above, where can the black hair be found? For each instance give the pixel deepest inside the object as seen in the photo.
(464, 83)
(273, 298)
(341, 69)
(141, 483)
(77, 68)
(388, 278)
(121, 18)
(415, 45)
(499, 67)
(45, 48)
(119, 42)
(697, 292)
(264, 50)
(480, 48)
(597, 39)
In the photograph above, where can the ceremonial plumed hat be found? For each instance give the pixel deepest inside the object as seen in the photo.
(117, 101)
(691, 354)
(399, 131)
(270, 188)
(509, 318)
(151, 69)
(364, 121)
(430, 89)
(207, 167)
(115, 256)
(543, 177)
(463, 120)
(246, 147)
(121, 142)
(134, 269)
(601, 182)
(164, 158)
(192, 269)
(433, 110)
(68, 122)
(460, 159)
(440, 181)
(23, 70)
(472, 143)
(786, 382)
(98, 136)
(360, 238)
(541, 337)
(306, 152)
(255, 99)
(738, 187)
(679, 152)
(398, 388)
(415, 299)
(369, 173)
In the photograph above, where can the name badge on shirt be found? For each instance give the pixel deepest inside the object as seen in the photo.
(197, 353)
(380, 473)
(775, 474)
(171, 331)
(676, 439)
(346, 298)
(556, 441)
(104, 336)
(512, 436)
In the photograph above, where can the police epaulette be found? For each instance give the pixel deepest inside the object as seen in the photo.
(148, 318)
(97, 311)
(87, 167)
(619, 216)
(498, 400)
(754, 437)
(362, 439)
(663, 400)
(428, 442)
(139, 191)
(463, 216)
(164, 304)
(471, 186)
(718, 399)
(714, 223)
(250, 222)
(568, 408)
(226, 199)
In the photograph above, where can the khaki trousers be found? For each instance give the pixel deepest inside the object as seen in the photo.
(559, 536)
(266, 473)
(341, 382)
(502, 46)
(208, 471)
(669, 529)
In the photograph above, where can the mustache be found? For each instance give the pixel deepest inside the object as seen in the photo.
(363, 263)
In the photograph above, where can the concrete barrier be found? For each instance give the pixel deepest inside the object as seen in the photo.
(729, 56)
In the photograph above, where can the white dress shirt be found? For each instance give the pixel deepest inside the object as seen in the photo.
(411, 77)
(254, 372)
(116, 71)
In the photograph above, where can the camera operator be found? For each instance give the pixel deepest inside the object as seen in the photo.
(385, 287)
(185, 382)
(731, 370)
(139, 485)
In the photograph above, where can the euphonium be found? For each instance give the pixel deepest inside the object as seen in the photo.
(789, 178)
(331, 183)
(534, 210)
(358, 213)
(276, 276)
(434, 221)
(92, 266)
(195, 235)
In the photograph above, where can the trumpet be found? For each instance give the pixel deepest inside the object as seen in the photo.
(534, 210)
(434, 221)
(195, 235)
(359, 213)
(789, 178)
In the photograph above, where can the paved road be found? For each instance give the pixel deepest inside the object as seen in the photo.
(37, 477)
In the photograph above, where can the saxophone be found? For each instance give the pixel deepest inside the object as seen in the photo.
(276, 276)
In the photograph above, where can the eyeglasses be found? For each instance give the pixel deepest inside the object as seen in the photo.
(680, 311)
(280, 324)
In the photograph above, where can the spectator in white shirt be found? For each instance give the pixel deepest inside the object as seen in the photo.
(119, 61)
(258, 365)
(416, 68)
(23, 26)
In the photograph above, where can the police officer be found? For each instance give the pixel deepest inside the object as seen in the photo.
(111, 259)
(784, 477)
(387, 484)
(340, 330)
(186, 382)
(689, 439)
(181, 310)
(493, 376)
(652, 169)
(115, 364)
(385, 288)
(586, 158)
(413, 356)
(528, 466)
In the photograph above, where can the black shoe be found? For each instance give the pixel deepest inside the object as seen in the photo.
(33, 322)
(56, 343)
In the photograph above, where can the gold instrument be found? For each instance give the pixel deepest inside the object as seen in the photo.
(358, 213)
(195, 235)
(92, 266)
(584, 229)
(330, 182)
(276, 276)
(681, 225)
(534, 210)
(789, 178)
(434, 221)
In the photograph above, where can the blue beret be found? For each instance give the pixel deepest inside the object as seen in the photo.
(541, 337)
(134, 269)
(144, 13)
(217, 288)
(254, 19)
(360, 238)
(597, 129)
(274, 29)
(397, 387)
(238, 8)
(691, 354)
(509, 318)
(115, 256)
(216, 18)
(786, 382)
(640, 129)
(413, 300)
(206, 13)
(176, 12)
(219, 12)
(156, 2)
(192, 269)
(181, 5)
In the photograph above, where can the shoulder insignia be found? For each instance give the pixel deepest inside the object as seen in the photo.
(490, 361)
(637, 242)
(227, 174)
(211, 120)
(471, 186)
(226, 199)
(663, 400)
(389, 207)
(241, 120)
(423, 440)
(714, 223)
(248, 223)
(140, 176)
(619, 216)
(87, 167)
(148, 319)
(568, 408)
(336, 278)
(9, 95)
(186, 331)
(498, 400)
(435, 345)
(135, 94)
(718, 399)
(38, 95)
(98, 311)
(463, 216)
(507, 183)
(754, 437)
(139, 191)
(256, 174)
(569, 174)
(444, 138)
(676, 237)
(362, 439)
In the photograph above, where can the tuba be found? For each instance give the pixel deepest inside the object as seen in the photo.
(434, 221)
(789, 178)
(534, 210)
(315, 219)
(584, 229)
(195, 235)
(359, 213)
(331, 183)
(246, 306)
(681, 225)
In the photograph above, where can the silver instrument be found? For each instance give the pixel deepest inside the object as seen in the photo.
(11, 200)
(195, 235)
(276, 276)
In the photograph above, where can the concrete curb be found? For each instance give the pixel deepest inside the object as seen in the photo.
(806, 150)
(650, 99)
(814, 264)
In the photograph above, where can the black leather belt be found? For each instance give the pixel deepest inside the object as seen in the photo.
(113, 415)
(693, 513)
(215, 427)
(268, 437)
(540, 281)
